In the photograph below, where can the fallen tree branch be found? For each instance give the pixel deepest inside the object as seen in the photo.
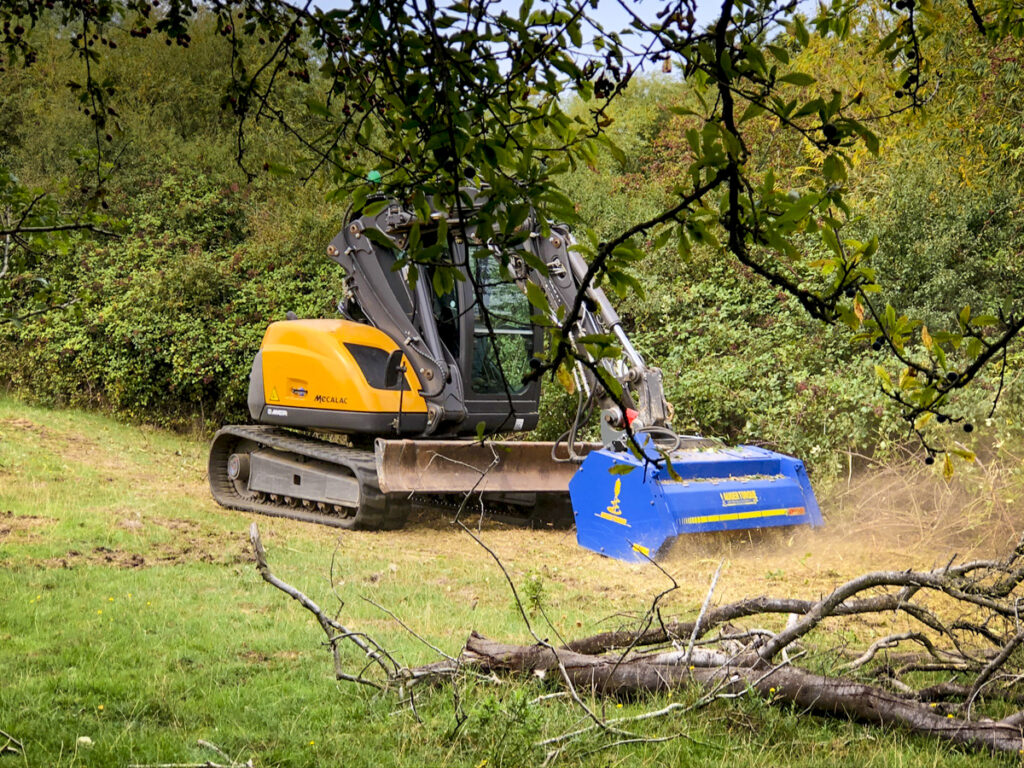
(334, 630)
(741, 661)
(815, 693)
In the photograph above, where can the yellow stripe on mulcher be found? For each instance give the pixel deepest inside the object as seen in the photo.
(613, 518)
(794, 511)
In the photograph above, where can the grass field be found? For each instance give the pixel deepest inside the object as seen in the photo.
(131, 614)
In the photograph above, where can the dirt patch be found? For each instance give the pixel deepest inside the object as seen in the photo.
(115, 558)
(212, 548)
(72, 447)
(21, 528)
(180, 525)
(260, 657)
(255, 657)
(24, 425)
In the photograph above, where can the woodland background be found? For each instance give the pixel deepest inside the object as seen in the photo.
(169, 311)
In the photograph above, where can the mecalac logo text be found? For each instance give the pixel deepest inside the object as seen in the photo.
(330, 400)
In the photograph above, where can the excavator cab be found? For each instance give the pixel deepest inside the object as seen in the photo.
(465, 351)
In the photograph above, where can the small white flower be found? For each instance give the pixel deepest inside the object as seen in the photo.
(85, 742)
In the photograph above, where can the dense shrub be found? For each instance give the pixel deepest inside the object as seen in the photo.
(173, 310)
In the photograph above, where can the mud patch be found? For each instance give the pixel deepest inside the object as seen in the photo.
(21, 528)
(97, 556)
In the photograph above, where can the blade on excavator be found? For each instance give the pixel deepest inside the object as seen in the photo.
(461, 466)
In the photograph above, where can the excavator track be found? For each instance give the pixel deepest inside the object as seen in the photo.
(238, 451)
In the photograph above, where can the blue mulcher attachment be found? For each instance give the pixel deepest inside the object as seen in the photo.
(632, 516)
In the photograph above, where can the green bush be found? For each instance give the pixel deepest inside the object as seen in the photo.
(173, 310)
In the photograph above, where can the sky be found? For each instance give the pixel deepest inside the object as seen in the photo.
(612, 15)
(609, 13)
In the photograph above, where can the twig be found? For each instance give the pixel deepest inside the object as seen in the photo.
(333, 629)
(207, 764)
(598, 721)
(889, 641)
(410, 630)
(703, 612)
(12, 745)
(991, 667)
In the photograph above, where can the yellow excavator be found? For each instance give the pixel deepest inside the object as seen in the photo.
(419, 374)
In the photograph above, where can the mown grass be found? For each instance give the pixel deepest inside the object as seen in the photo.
(130, 614)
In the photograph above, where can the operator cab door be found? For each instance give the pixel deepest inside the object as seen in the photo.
(494, 360)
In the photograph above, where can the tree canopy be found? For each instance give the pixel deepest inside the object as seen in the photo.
(773, 150)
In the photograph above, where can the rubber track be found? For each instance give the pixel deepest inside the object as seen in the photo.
(376, 510)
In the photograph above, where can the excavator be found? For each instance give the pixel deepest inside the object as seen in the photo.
(418, 374)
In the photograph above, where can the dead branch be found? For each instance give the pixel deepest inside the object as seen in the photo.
(703, 612)
(10, 744)
(889, 641)
(992, 666)
(739, 661)
(207, 764)
(335, 631)
(815, 693)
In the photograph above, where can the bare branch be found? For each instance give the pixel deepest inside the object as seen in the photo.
(11, 744)
(703, 612)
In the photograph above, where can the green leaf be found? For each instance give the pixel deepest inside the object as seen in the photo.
(798, 210)
(621, 469)
(798, 78)
(279, 170)
(372, 209)
(376, 236)
(887, 41)
(537, 297)
(780, 53)
(753, 110)
(883, 376)
(799, 31)
(317, 107)
(828, 235)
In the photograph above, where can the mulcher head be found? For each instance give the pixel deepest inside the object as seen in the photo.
(629, 508)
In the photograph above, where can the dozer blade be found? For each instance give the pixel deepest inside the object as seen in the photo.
(460, 466)
(629, 509)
